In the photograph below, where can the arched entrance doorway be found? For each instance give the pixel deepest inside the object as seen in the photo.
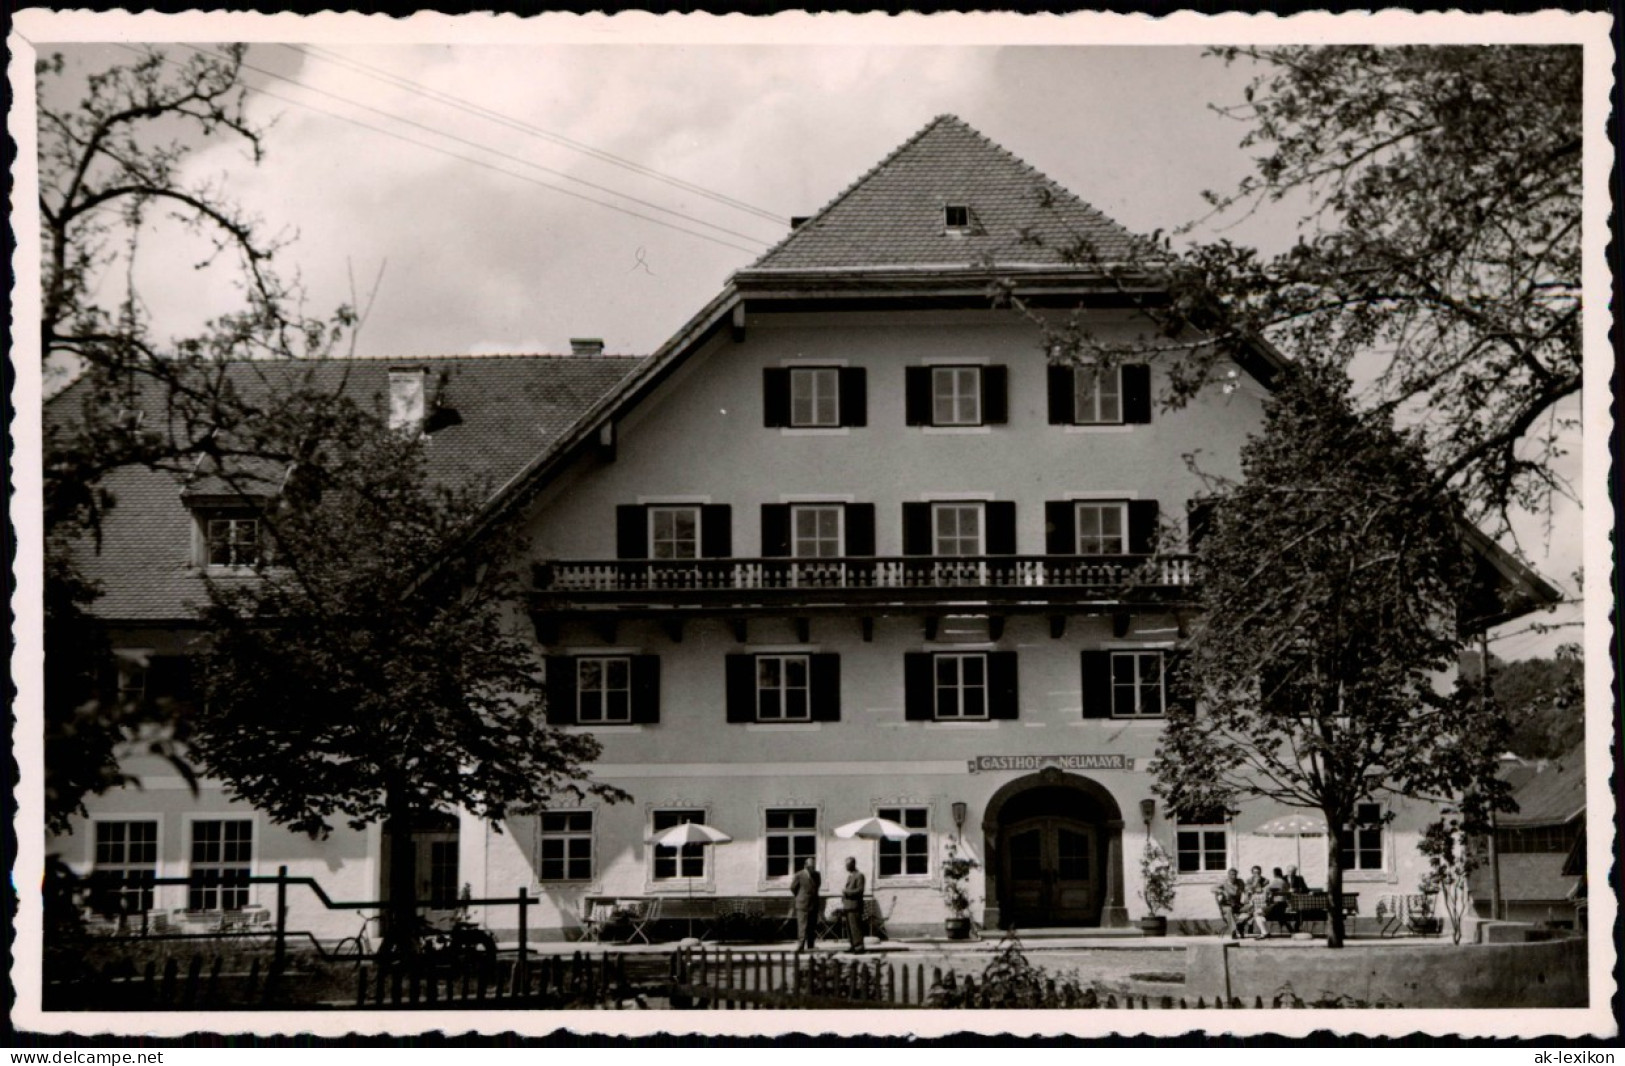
(1054, 846)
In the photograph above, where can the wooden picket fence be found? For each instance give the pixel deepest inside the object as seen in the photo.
(203, 986)
(551, 981)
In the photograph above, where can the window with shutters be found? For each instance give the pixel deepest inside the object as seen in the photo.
(816, 530)
(790, 837)
(687, 861)
(1097, 396)
(956, 529)
(956, 395)
(1202, 843)
(1137, 684)
(564, 850)
(815, 397)
(231, 540)
(961, 687)
(905, 858)
(783, 690)
(674, 532)
(603, 690)
(125, 862)
(1360, 843)
(1102, 528)
(222, 861)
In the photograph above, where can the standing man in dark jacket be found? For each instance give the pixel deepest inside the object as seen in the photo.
(852, 902)
(804, 887)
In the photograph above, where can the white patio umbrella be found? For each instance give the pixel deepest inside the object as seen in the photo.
(873, 828)
(689, 833)
(1296, 826)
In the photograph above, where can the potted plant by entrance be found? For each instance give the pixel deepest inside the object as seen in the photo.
(956, 871)
(1156, 888)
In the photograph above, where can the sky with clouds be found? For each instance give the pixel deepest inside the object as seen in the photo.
(444, 173)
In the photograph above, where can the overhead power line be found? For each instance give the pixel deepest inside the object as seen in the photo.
(380, 74)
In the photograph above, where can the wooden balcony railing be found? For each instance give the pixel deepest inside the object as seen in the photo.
(1043, 575)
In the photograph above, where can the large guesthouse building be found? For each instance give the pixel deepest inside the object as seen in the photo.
(847, 545)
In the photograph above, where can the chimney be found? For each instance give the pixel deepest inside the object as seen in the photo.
(407, 386)
(586, 346)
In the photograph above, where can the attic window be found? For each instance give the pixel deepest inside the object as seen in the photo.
(956, 218)
(406, 399)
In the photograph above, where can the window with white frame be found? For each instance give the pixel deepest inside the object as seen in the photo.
(815, 530)
(687, 861)
(232, 540)
(1360, 844)
(956, 529)
(1097, 395)
(1137, 684)
(782, 689)
(815, 396)
(222, 861)
(126, 861)
(791, 836)
(603, 690)
(1102, 528)
(956, 395)
(961, 686)
(956, 218)
(564, 852)
(911, 857)
(674, 532)
(132, 676)
(1202, 843)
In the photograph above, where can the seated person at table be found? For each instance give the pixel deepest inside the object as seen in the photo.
(1277, 906)
(1295, 881)
(1231, 896)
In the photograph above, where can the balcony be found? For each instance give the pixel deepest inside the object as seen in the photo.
(923, 584)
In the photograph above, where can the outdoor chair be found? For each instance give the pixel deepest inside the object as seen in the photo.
(641, 914)
(1227, 914)
(597, 916)
(1390, 914)
(1419, 917)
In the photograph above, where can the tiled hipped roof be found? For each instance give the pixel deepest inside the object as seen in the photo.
(893, 215)
(508, 409)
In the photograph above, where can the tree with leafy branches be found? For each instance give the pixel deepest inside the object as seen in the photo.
(1331, 575)
(117, 150)
(1436, 192)
(374, 668)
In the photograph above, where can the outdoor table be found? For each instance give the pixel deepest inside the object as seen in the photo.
(1316, 907)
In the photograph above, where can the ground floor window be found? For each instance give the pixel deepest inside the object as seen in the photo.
(687, 861)
(126, 861)
(1360, 842)
(792, 836)
(222, 862)
(565, 853)
(1201, 843)
(911, 857)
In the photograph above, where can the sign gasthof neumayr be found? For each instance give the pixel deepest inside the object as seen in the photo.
(991, 763)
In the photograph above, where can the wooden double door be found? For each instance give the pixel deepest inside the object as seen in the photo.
(1051, 871)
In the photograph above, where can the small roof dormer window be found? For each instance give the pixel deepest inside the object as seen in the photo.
(956, 219)
(407, 386)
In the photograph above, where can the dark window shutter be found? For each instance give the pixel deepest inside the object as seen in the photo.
(919, 689)
(169, 677)
(824, 677)
(645, 689)
(716, 531)
(917, 395)
(916, 529)
(631, 532)
(1001, 527)
(1136, 392)
(995, 395)
(1142, 526)
(854, 396)
(860, 529)
(1062, 396)
(741, 688)
(775, 530)
(561, 690)
(1198, 521)
(1060, 527)
(1176, 692)
(775, 396)
(1097, 684)
(1003, 694)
